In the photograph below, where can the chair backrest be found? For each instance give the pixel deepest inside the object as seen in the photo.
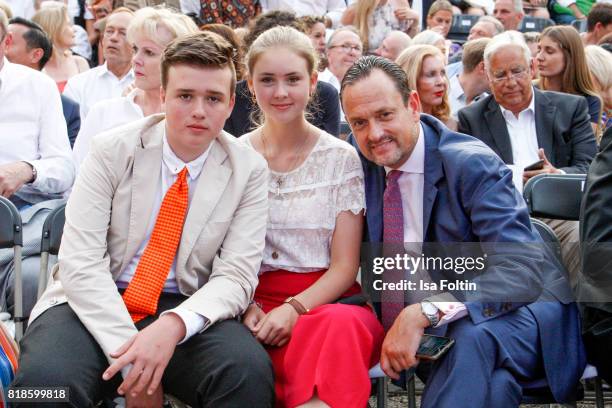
(538, 24)
(555, 196)
(548, 236)
(10, 224)
(460, 27)
(53, 229)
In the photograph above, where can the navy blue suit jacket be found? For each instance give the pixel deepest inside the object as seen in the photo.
(73, 118)
(469, 197)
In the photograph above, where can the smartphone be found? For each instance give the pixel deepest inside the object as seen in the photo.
(433, 347)
(535, 166)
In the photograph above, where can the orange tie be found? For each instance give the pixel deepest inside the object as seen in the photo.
(142, 293)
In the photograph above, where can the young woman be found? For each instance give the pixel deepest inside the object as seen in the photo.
(374, 19)
(315, 29)
(440, 19)
(424, 65)
(149, 33)
(54, 19)
(562, 65)
(321, 350)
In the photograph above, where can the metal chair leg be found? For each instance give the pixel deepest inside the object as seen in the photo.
(18, 295)
(381, 392)
(599, 397)
(411, 388)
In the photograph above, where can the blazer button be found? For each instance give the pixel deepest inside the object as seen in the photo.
(488, 312)
(274, 255)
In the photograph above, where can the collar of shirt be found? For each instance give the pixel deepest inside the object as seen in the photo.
(105, 71)
(508, 115)
(456, 90)
(175, 165)
(416, 162)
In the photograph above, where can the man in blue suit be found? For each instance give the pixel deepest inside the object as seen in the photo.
(427, 184)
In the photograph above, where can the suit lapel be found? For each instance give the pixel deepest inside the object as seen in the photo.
(433, 174)
(544, 120)
(499, 131)
(210, 187)
(147, 164)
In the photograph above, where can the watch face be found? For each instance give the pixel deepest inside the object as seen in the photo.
(429, 308)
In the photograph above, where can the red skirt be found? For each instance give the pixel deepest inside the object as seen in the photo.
(331, 348)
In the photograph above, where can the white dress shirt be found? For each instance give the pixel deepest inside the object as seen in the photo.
(411, 184)
(328, 8)
(170, 168)
(95, 85)
(105, 115)
(456, 96)
(33, 129)
(523, 136)
(22, 8)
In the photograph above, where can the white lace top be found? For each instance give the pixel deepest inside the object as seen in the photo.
(303, 211)
(380, 23)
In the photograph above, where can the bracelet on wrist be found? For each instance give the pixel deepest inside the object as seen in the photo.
(299, 307)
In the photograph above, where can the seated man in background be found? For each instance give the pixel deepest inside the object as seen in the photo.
(394, 43)
(29, 45)
(115, 75)
(36, 165)
(164, 235)
(524, 125)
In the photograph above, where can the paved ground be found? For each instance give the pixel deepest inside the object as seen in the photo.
(398, 398)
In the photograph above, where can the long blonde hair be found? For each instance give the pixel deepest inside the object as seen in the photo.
(363, 11)
(411, 61)
(52, 17)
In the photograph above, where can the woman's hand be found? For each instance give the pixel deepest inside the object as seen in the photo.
(406, 13)
(276, 327)
(252, 317)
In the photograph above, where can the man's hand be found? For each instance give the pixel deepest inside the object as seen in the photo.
(276, 327)
(144, 400)
(402, 341)
(149, 352)
(13, 176)
(252, 317)
(546, 168)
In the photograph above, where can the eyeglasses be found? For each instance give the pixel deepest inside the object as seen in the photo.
(515, 73)
(346, 47)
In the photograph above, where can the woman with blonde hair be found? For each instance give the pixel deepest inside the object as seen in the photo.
(308, 310)
(54, 19)
(562, 66)
(600, 64)
(149, 32)
(424, 66)
(374, 19)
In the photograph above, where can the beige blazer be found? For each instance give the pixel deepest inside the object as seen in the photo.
(106, 220)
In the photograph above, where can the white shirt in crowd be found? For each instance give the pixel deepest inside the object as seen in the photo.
(105, 115)
(95, 85)
(456, 96)
(411, 184)
(33, 129)
(523, 136)
(22, 8)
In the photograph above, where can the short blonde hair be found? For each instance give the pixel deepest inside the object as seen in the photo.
(411, 61)
(52, 17)
(600, 65)
(148, 20)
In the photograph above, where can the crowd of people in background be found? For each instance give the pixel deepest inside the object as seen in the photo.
(531, 82)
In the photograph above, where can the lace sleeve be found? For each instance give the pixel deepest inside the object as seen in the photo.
(350, 193)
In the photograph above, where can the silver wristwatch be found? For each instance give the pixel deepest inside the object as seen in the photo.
(430, 311)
